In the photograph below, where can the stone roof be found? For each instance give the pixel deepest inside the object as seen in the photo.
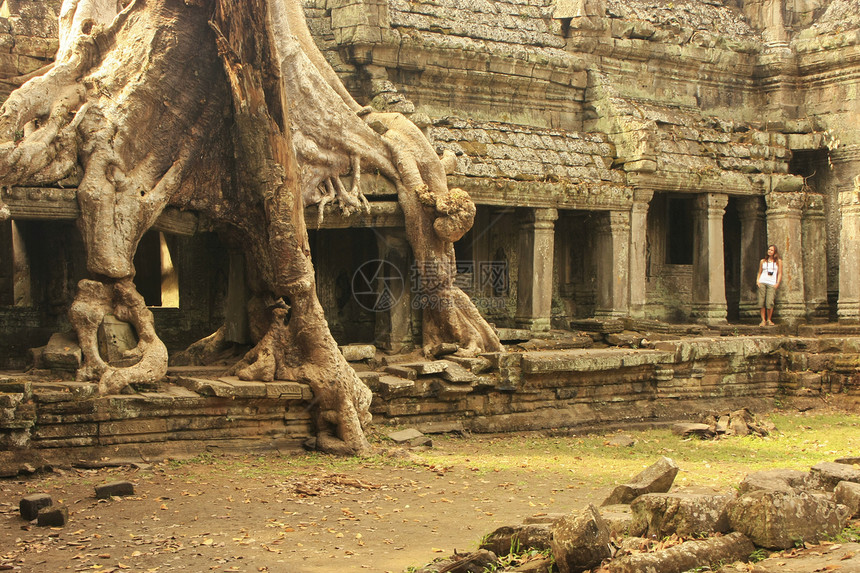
(522, 29)
(840, 16)
(709, 23)
(523, 153)
(683, 140)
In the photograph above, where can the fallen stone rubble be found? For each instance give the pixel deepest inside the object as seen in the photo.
(776, 520)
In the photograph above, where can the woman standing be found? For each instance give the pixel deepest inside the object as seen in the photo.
(769, 277)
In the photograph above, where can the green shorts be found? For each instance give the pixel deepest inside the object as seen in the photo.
(766, 296)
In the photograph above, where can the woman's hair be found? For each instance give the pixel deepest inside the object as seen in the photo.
(775, 253)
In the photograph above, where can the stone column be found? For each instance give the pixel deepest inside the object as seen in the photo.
(815, 259)
(784, 230)
(849, 255)
(393, 328)
(753, 246)
(534, 275)
(709, 274)
(638, 251)
(613, 265)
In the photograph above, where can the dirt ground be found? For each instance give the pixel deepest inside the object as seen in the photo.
(290, 514)
(191, 517)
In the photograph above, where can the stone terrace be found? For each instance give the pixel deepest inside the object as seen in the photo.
(562, 382)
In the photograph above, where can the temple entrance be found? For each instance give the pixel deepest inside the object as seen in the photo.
(732, 260)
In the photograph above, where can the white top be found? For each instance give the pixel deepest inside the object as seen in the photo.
(769, 272)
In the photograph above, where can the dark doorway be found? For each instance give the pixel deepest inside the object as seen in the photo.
(732, 259)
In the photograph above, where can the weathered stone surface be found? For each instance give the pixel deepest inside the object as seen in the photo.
(404, 436)
(693, 429)
(827, 475)
(116, 338)
(686, 556)
(30, 505)
(779, 519)
(580, 541)
(358, 352)
(56, 516)
(474, 562)
(618, 517)
(425, 368)
(453, 372)
(838, 558)
(402, 372)
(62, 352)
(515, 538)
(114, 489)
(774, 480)
(683, 514)
(392, 386)
(848, 494)
(656, 478)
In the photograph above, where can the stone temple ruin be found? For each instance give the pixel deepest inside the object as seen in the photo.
(629, 159)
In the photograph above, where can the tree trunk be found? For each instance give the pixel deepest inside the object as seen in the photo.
(139, 104)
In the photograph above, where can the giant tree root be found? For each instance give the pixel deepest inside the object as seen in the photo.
(299, 347)
(93, 302)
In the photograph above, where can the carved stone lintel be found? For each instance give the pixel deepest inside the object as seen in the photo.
(785, 204)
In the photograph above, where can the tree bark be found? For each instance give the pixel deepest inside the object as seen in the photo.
(164, 103)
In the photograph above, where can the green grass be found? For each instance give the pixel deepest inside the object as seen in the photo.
(800, 442)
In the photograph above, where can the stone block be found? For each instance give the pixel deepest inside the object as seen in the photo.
(580, 540)
(827, 475)
(358, 352)
(53, 516)
(426, 368)
(453, 372)
(686, 515)
(280, 390)
(63, 352)
(404, 436)
(519, 538)
(116, 339)
(244, 388)
(392, 386)
(114, 489)
(774, 480)
(476, 365)
(402, 372)
(779, 519)
(687, 556)
(656, 478)
(848, 494)
(30, 505)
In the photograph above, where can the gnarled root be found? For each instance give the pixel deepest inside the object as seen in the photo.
(297, 346)
(93, 302)
(457, 319)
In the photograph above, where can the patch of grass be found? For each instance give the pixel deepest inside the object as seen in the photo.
(801, 441)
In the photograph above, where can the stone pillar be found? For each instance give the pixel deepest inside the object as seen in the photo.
(709, 274)
(393, 328)
(774, 24)
(534, 275)
(849, 255)
(814, 241)
(784, 230)
(613, 265)
(753, 247)
(638, 251)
